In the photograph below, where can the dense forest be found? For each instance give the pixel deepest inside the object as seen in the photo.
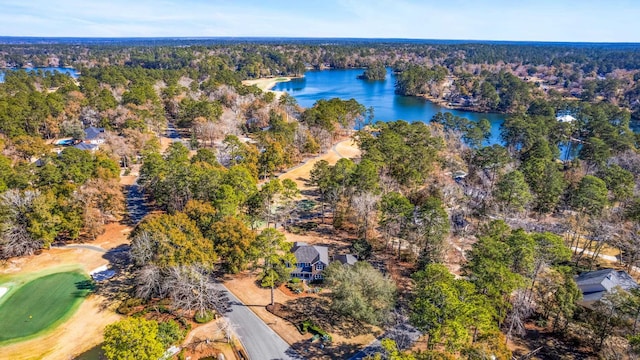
(481, 76)
(524, 221)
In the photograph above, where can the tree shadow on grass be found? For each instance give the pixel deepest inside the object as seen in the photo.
(84, 288)
(86, 285)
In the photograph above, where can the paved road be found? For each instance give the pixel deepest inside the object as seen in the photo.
(260, 342)
(173, 134)
(135, 203)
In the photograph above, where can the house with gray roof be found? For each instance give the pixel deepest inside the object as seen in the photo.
(86, 146)
(94, 135)
(347, 259)
(595, 284)
(310, 261)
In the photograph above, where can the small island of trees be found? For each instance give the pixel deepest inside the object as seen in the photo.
(375, 71)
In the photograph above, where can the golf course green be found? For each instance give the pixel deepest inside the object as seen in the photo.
(41, 304)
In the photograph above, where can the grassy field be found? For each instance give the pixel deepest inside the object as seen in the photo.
(41, 304)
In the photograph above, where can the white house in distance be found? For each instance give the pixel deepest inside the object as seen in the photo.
(566, 118)
(310, 261)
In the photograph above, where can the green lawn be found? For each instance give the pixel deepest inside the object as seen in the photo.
(41, 304)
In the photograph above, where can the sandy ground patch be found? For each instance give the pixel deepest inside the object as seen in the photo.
(266, 84)
(164, 144)
(348, 148)
(196, 347)
(300, 175)
(128, 179)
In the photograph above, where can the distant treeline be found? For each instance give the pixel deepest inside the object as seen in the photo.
(337, 53)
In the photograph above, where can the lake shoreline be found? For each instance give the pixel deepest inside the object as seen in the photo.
(267, 84)
(445, 104)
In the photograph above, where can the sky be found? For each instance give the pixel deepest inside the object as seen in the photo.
(524, 20)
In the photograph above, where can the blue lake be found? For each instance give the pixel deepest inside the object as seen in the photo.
(69, 71)
(387, 105)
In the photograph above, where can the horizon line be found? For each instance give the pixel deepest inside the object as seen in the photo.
(34, 37)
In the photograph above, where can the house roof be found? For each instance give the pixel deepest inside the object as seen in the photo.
(85, 146)
(305, 253)
(91, 133)
(346, 259)
(594, 284)
(566, 118)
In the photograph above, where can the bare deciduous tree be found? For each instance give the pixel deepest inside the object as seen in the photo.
(89, 116)
(365, 206)
(192, 289)
(629, 245)
(150, 283)
(227, 329)
(142, 248)
(119, 147)
(16, 240)
(102, 201)
(521, 309)
(206, 130)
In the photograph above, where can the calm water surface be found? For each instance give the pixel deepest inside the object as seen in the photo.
(388, 106)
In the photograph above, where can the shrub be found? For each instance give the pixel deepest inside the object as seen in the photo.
(126, 306)
(362, 248)
(163, 309)
(184, 323)
(205, 317)
(311, 327)
(295, 285)
(170, 333)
